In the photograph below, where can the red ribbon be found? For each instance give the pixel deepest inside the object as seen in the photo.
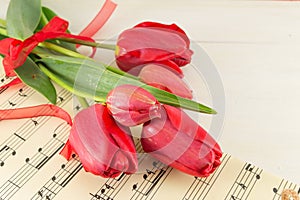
(11, 83)
(100, 19)
(36, 111)
(16, 51)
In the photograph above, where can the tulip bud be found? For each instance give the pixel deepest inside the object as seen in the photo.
(159, 77)
(131, 105)
(104, 147)
(178, 141)
(151, 42)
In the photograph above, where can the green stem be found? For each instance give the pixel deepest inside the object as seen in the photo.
(91, 44)
(83, 102)
(2, 23)
(67, 86)
(55, 78)
(44, 18)
(3, 31)
(62, 50)
(71, 53)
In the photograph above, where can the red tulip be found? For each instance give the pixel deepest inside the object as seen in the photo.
(104, 147)
(131, 105)
(158, 76)
(178, 141)
(151, 42)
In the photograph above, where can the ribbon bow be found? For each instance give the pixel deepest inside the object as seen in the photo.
(16, 51)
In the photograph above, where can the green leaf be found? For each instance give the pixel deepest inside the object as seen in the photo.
(32, 76)
(90, 79)
(2, 37)
(49, 14)
(46, 16)
(23, 17)
(2, 23)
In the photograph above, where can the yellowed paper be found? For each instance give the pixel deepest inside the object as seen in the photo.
(31, 167)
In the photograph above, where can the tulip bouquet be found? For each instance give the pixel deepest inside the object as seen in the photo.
(146, 90)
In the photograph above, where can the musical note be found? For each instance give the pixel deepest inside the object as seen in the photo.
(35, 163)
(151, 182)
(96, 196)
(34, 122)
(134, 186)
(148, 185)
(26, 130)
(150, 171)
(77, 108)
(235, 198)
(21, 94)
(108, 186)
(40, 193)
(245, 182)
(249, 167)
(283, 185)
(16, 99)
(4, 88)
(8, 148)
(61, 99)
(63, 176)
(11, 103)
(242, 185)
(200, 187)
(112, 187)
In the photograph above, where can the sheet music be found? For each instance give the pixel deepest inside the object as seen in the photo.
(31, 167)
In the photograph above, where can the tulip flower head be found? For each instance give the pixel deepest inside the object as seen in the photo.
(162, 78)
(104, 147)
(178, 141)
(131, 105)
(151, 42)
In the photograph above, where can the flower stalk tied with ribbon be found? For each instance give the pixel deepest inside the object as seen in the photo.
(42, 51)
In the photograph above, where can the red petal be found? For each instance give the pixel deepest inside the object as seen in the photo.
(159, 75)
(35, 111)
(172, 66)
(148, 39)
(131, 105)
(99, 141)
(173, 27)
(174, 143)
(181, 121)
